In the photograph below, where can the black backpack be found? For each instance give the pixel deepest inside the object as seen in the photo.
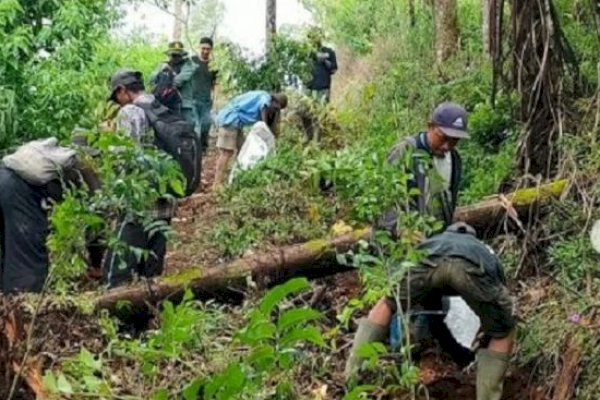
(165, 91)
(177, 137)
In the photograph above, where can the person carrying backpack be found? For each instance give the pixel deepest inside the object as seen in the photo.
(174, 84)
(149, 122)
(32, 179)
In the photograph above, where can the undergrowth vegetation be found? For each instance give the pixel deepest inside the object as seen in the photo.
(329, 168)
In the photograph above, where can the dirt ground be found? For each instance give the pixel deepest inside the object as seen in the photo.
(194, 219)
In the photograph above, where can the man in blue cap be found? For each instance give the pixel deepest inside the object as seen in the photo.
(456, 263)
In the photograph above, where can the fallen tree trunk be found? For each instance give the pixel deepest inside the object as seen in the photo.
(310, 257)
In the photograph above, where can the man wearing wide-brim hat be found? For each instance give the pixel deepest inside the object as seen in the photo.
(184, 71)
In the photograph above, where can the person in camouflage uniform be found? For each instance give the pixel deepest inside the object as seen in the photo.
(186, 73)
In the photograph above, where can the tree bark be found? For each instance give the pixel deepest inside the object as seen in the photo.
(314, 257)
(271, 22)
(485, 25)
(446, 29)
(178, 21)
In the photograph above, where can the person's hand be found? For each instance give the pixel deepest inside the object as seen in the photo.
(322, 56)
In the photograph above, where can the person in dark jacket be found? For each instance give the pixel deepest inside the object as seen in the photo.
(456, 263)
(26, 199)
(324, 66)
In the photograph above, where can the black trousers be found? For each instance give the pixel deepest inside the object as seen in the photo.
(24, 229)
(120, 266)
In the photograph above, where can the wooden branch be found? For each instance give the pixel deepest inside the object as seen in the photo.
(316, 257)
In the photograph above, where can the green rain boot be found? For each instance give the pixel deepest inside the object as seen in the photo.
(367, 332)
(491, 367)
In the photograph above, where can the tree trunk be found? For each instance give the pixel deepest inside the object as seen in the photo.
(541, 53)
(446, 29)
(310, 258)
(178, 21)
(485, 25)
(271, 22)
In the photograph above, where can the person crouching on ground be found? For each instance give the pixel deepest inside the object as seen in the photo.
(457, 263)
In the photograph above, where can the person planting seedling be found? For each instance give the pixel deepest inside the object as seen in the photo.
(456, 263)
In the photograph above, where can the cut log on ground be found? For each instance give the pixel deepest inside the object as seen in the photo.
(316, 257)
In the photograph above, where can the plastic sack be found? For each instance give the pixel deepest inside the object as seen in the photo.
(462, 322)
(259, 143)
(39, 161)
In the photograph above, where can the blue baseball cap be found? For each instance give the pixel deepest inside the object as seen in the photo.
(451, 118)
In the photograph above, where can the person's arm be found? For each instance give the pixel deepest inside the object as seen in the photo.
(154, 75)
(275, 125)
(89, 176)
(264, 114)
(332, 62)
(185, 75)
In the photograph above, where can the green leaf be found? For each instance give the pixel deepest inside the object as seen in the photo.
(278, 293)
(306, 334)
(87, 359)
(49, 382)
(296, 316)
(63, 385)
(262, 357)
(260, 331)
(360, 392)
(190, 392)
(162, 394)
(177, 187)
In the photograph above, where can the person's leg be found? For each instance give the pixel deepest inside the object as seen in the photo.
(227, 143)
(490, 300)
(120, 263)
(374, 328)
(26, 230)
(205, 122)
(157, 247)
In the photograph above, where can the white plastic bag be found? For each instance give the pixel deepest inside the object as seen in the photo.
(39, 161)
(258, 144)
(462, 321)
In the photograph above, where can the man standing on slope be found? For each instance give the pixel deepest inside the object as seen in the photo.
(245, 110)
(324, 66)
(204, 86)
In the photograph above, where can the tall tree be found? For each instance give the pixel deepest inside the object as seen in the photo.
(485, 25)
(271, 21)
(178, 20)
(542, 59)
(446, 29)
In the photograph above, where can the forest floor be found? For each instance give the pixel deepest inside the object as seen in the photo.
(441, 377)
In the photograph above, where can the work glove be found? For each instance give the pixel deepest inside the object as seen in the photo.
(367, 332)
(491, 367)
